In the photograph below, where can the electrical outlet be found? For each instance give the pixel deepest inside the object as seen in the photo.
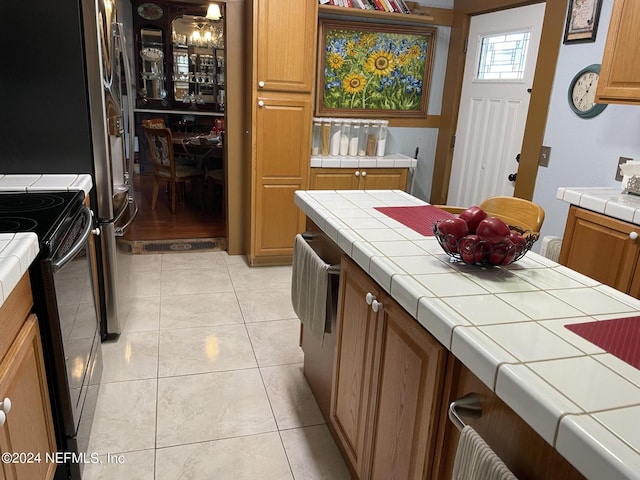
(543, 159)
(621, 161)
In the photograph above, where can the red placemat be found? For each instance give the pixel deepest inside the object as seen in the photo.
(619, 337)
(420, 218)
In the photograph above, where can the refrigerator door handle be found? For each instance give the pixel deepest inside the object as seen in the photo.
(120, 37)
(120, 231)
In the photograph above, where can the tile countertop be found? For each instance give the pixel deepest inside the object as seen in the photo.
(507, 326)
(17, 251)
(606, 200)
(395, 160)
(36, 182)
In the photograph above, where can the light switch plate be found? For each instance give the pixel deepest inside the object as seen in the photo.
(621, 161)
(545, 153)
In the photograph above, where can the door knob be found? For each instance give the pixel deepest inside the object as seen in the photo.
(512, 177)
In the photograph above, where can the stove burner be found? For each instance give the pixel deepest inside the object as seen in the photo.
(17, 224)
(20, 203)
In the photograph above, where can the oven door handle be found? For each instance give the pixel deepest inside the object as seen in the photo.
(67, 257)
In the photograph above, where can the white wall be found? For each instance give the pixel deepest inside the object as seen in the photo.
(584, 152)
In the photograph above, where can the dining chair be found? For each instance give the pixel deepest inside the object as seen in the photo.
(154, 123)
(165, 168)
(512, 210)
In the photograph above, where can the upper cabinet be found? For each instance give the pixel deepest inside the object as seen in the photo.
(620, 73)
(286, 46)
(180, 60)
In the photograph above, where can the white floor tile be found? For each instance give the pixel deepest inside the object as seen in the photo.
(128, 465)
(259, 278)
(133, 356)
(202, 280)
(193, 260)
(199, 310)
(204, 349)
(211, 406)
(125, 417)
(241, 458)
(313, 455)
(261, 305)
(143, 315)
(290, 397)
(276, 342)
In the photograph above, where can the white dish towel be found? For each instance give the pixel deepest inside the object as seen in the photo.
(309, 284)
(475, 460)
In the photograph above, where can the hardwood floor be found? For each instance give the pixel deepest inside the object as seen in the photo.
(199, 217)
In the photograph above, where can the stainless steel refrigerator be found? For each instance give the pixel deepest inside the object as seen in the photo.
(62, 110)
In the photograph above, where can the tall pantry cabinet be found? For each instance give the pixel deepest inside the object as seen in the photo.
(283, 47)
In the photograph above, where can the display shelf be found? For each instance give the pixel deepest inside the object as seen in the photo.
(438, 16)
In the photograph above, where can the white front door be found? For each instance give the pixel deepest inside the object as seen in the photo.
(499, 69)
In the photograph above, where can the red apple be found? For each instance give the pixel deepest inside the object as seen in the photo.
(493, 230)
(519, 242)
(472, 249)
(473, 216)
(453, 230)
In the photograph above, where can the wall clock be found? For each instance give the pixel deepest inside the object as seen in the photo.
(150, 11)
(582, 92)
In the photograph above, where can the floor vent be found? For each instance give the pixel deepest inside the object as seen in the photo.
(550, 247)
(178, 246)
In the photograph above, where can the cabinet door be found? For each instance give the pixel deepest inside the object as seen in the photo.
(522, 450)
(407, 397)
(351, 391)
(333, 179)
(286, 39)
(600, 247)
(383, 179)
(29, 424)
(620, 72)
(282, 159)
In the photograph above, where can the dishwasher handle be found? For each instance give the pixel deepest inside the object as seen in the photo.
(79, 244)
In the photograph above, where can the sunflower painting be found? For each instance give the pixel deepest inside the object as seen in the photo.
(372, 69)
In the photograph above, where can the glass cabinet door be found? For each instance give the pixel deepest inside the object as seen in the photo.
(198, 61)
(152, 64)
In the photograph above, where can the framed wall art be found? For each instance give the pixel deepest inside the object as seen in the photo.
(373, 70)
(582, 21)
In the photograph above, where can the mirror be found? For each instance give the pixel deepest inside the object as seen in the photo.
(152, 62)
(198, 61)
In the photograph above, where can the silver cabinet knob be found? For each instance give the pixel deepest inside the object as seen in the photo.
(633, 235)
(357, 173)
(376, 306)
(364, 174)
(3, 418)
(369, 298)
(261, 103)
(5, 405)
(261, 84)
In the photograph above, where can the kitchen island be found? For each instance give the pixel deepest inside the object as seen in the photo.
(507, 326)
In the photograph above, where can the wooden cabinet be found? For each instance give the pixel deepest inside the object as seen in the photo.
(522, 450)
(358, 178)
(387, 383)
(286, 45)
(28, 427)
(602, 248)
(283, 52)
(620, 72)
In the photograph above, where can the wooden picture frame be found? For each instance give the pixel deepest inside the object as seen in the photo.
(371, 70)
(583, 17)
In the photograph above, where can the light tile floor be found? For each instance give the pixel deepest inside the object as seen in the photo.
(206, 380)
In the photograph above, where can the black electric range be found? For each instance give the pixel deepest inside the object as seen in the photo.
(64, 295)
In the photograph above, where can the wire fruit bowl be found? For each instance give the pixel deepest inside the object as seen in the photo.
(484, 253)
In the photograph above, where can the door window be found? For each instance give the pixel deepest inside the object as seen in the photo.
(503, 56)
